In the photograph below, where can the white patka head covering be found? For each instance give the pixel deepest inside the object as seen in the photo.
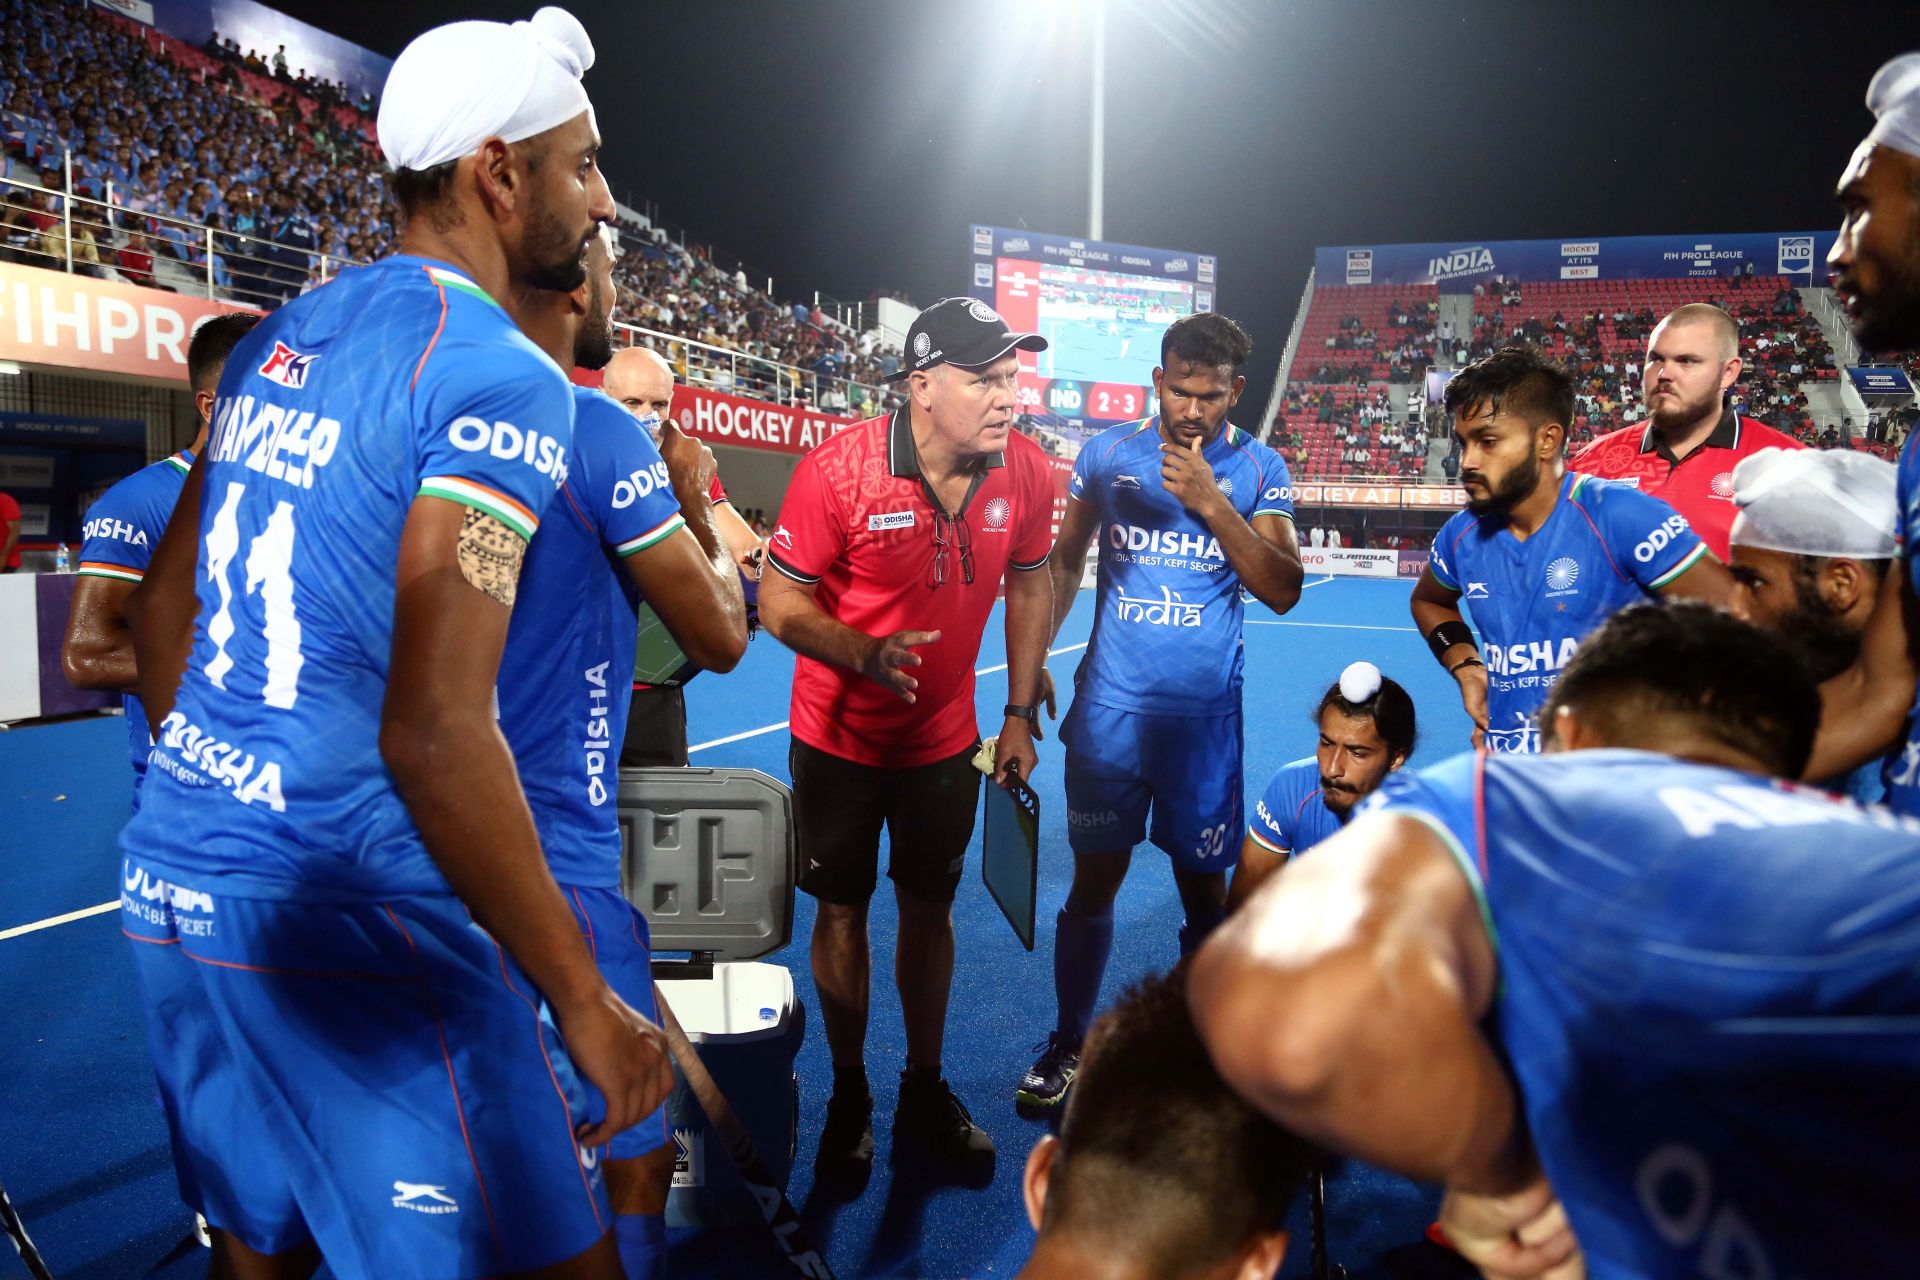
(455, 86)
(1893, 95)
(1816, 502)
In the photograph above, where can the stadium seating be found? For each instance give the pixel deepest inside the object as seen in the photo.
(1599, 328)
(1319, 422)
(282, 182)
(1354, 339)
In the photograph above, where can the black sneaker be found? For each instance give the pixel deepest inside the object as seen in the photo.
(1045, 1085)
(846, 1141)
(932, 1116)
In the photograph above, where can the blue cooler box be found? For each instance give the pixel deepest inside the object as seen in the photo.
(710, 862)
(747, 1025)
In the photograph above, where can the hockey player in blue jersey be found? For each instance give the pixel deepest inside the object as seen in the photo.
(334, 889)
(121, 531)
(1186, 508)
(1541, 556)
(1638, 975)
(1871, 707)
(631, 525)
(1367, 731)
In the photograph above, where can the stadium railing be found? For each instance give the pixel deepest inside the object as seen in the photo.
(738, 373)
(113, 239)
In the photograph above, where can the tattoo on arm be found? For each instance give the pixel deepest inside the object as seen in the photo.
(490, 556)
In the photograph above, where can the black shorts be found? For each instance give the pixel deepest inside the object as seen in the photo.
(839, 806)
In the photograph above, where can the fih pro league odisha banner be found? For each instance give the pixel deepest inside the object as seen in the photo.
(1458, 266)
(1101, 307)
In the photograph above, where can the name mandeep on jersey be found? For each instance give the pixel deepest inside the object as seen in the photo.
(394, 381)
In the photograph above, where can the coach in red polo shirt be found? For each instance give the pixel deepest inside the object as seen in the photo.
(892, 543)
(1686, 452)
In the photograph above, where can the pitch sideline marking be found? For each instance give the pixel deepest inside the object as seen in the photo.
(105, 907)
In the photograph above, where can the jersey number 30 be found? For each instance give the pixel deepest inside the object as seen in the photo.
(269, 567)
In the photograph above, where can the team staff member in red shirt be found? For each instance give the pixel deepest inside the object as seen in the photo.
(890, 548)
(1686, 453)
(9, 535)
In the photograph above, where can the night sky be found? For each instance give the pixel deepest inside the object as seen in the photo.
(846, 146)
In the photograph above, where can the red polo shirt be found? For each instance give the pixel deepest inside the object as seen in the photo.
(1698, 486)
(858, 521)
(10, 512)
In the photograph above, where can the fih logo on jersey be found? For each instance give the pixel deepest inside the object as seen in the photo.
(996, 515)
(287, 366)
(1722, 486)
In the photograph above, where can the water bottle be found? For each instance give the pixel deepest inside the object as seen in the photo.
(62, 560)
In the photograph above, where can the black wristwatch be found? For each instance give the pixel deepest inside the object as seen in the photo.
(1023, 712)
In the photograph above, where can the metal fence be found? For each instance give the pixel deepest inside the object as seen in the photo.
(115, 237)
(738, 373)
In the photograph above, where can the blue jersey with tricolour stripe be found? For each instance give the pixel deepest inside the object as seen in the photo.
(566, 675)
(1167, 620)
(121, 531)
(1604, 546)
(1903, 773)
(1709, 997)
(392, 382)
(1291, 815)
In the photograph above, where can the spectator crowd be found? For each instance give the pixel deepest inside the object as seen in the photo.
(281, 167)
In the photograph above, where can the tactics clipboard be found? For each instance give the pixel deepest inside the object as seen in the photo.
(1010, 852)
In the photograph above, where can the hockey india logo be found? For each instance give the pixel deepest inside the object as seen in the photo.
(997, 512)
(1722, 485)
(1226, 486)
(921, 343)
(1563, 573)
(983, 313)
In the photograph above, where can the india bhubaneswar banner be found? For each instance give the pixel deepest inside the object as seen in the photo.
(77, 322)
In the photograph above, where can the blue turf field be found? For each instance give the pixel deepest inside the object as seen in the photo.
(83, 1149)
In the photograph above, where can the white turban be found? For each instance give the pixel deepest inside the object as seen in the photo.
(1894, 98)
(455, 86)
(1816, 502)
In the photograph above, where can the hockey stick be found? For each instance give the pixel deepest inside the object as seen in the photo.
(17, 1232)
(775, 1208)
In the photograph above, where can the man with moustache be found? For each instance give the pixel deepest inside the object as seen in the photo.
(1367, 731)
(371, 1011)
(1867, 709)
(639, 527)
(1686, 452)
(1186, 510)
(1811, 547)
(1541, 556)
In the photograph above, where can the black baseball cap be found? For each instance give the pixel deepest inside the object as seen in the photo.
(962, 331)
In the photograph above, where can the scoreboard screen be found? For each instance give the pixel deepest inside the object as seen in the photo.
(1101, 307)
